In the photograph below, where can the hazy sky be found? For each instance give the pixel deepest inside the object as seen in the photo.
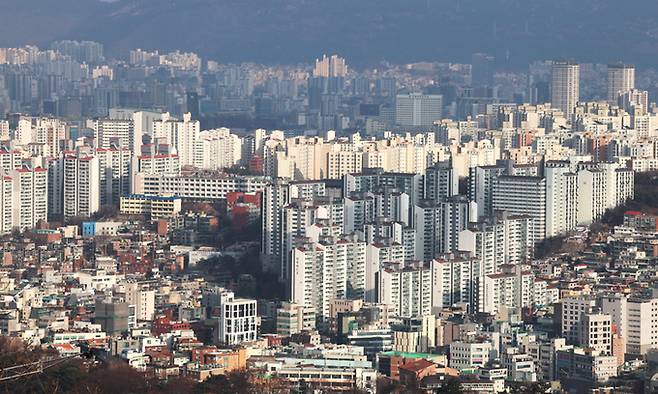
(365, 31)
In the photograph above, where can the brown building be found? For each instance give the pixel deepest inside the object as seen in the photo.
(210, 361)
(412, 372)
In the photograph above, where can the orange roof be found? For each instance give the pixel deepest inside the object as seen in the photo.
(416, 365)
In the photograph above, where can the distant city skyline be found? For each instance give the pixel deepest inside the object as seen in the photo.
(370, 32)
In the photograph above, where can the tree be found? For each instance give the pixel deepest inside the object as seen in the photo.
(530, 388)
(451, 386)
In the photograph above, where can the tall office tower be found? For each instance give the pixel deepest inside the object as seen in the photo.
(6, 204)
(441, 181)
(333, 268)
(386, 87)
(192, 105)
(539, 92)
(499, 240)
(522, 195)
(407, 287)
(561, 198)
(482, 70)
(80, 187)
(565, 86)
(117, 132)
(317, 87)
(361, 87)
(621, 79)
(327, 67)
(114, 174)
(418, 110)
(182, 135)
(276, 196)
(30, 193)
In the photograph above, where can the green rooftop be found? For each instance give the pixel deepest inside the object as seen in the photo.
(411, 355)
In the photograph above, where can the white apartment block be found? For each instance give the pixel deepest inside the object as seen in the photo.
(455, 281)
(30, 197)
(277, 195)
(155, 207)
(292, 319)
(392, 232)
(572, 311)
(505, 239)
(561, 198)
(328, 270)
(467, 355)
(6, 204)
(47, 132)
(142, 298)
(636, 319)
(481, 186)
(377, 255)
(114, 132)
(596, 332)
(342, 162)
(182, 135)
(201, 186)
(512, 289)
(80, 187)
(441, 181)
(217, 149)
(408, 288)
(4, 130)
(156, 164)
(114, 172)
(297, 217)
(10, 159)
(523, 195)
(238, 321)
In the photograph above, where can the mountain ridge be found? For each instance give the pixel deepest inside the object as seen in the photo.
(364, 31)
